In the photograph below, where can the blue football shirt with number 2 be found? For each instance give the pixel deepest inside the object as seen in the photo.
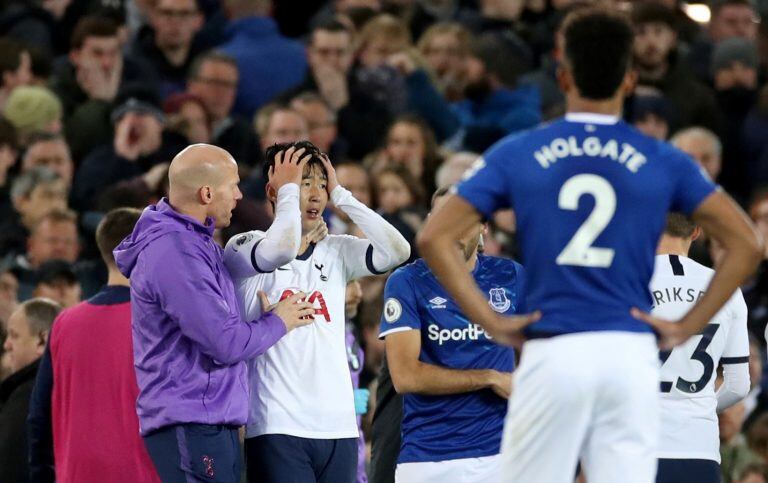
(591, 195)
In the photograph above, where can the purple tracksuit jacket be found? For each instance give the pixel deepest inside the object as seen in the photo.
(189, 342)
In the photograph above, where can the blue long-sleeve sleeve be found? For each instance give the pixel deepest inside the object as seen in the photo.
(426, 101)
(39, 424)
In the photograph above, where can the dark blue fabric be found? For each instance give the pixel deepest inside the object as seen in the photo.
(112, 295)
(196, 452)
(269, 63)
(279, 458)
(688, 471)
(39, 425)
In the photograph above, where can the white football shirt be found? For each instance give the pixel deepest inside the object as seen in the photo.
(302, 386)
(689, 428)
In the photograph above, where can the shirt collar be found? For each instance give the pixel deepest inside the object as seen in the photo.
(591, 117)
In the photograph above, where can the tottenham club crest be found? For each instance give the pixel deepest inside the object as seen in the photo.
(392, 310)
(497, 299)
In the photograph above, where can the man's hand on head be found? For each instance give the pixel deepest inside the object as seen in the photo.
(288, 168)
(333, 181)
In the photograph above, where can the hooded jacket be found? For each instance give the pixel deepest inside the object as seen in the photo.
(189, 341)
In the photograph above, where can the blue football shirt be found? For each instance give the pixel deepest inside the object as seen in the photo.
(591, 195)
(440, 428)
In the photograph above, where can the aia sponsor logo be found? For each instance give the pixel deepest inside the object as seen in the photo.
(316, 299)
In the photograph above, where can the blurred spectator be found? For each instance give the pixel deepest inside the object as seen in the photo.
(171, 43)
(753, 473)
(702, 145)
(276, 124)
(452, 170)
(57, 281)
(651, 115)
(321, 123)
(734, 67)
(754, 142)
(9, 296)
(735, 455)
(391, 68)
(140, 142)
(729, 19)
(9, 151)
(733, 18)
(445, 47)
(84, 399)
(15, 67)
(756, 402)
(400, 198)
(54, 237)
(410, 142)
(49, 151)
(187, 115)
(28, 330)
(756, 290)
(757, 437)
(31, 109)
(33, 194)
(362, 117)
(28, 22)
(89, 81)
(269, 63)
(660, 70)
(395, 189)
(356, 359)
(353, 177)
(494, 104)
(214, 77)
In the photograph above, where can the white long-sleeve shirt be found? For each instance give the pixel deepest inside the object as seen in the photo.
(301, 385)
(689, 403)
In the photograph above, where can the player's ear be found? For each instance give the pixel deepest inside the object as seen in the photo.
(697, 232)
(630, 82)
(206, 195)
(564, 79)
(271, 193)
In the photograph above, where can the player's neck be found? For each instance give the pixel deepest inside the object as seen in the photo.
(116, 278)
(673, 246)
(610, 107)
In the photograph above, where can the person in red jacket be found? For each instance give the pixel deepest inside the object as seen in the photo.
(83, 410)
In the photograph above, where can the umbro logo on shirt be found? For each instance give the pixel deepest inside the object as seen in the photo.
(437, 303)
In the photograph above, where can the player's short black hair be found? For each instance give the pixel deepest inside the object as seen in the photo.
(271, 152)
(679, 226)
(598, 48)
(56, 273)
(113, 228)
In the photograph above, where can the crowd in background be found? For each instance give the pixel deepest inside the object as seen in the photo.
(97, 96)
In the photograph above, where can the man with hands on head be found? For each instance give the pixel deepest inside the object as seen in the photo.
(189, 339)
(302, 424)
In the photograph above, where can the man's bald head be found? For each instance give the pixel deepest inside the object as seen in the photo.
(203, 181)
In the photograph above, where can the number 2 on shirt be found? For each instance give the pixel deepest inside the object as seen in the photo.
(579, 251)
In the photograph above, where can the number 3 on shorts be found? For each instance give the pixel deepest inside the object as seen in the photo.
(579, 251)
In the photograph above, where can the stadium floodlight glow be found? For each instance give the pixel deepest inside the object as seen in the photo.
(699, 12)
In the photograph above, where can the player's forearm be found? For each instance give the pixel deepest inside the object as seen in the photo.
(390, 248)
(432, 380)
(283, 238)
(735, 385)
